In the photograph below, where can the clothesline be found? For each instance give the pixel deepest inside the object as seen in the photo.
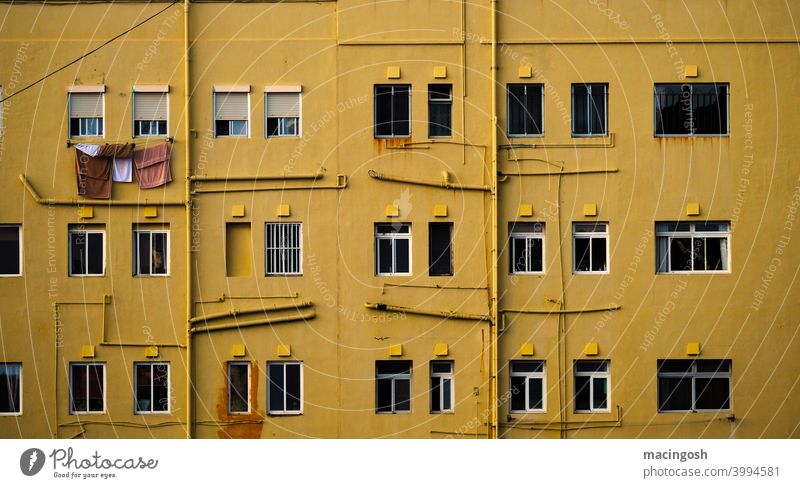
(169, 140)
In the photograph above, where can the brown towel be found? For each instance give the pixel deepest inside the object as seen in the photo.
(152, 166)
(116, 150)
(94, 175)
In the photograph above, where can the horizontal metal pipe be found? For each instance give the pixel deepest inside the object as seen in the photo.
(98, 203)
(214, 328)
(340, 184)
(564, 145)
(245, 311)
(705, 40)
(431, 313)
(139, 344)
(557, 173)
(610, 308)
(436, 184)
(314, 176)
(245, 297)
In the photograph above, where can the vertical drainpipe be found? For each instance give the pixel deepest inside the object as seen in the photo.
(493, 359)
(187, 160)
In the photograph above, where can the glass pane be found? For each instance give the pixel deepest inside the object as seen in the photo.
(440, 260)
(712, 393)
(527, 366)
(582, 393)
(716, 253)
(580, 109)
(598, 254)
(288, 126)
(674, 366)
(95, 376)
(535, 394)
(600, 393)
(518, 393)
(536, 254)
(713, 366)
(393, 367)
(9, 250)
(674, 394)
(238, 127)
(221, 128)
(276, 390)
(77, 243)
(383, 110)
(293, 392)
(699, 253)
(442, 367)
(273, 126)
(680, 249)
(95, 259)
(582, 254)
(383, 387)
(440, 92)
(519, 258)
(237, 388)
(143, 252)
(78, 388)
(446, 394)
(533, 108)
(440, 119)
(400, 108)
(385, 256)
(711, 227)
(673, 110)
(160, 388)
(159, 253)
(590, 227)
(591, 366)
(402, 257)
(516, 109)
(143, 384)
(597, 109)
(436, 391)
(402, 395)
(10, 388)
(709, 105)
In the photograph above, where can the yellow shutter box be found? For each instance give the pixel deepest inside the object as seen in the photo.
(690, 71)
(150, 212)
(283, 210)
(284, 350)
(591, 349)
(692, 209)
(393, 72)
(86, 212)
(238, 350)
(87, 351)
(151, 352)
(396, 350)
(525, 72)
(589, 209)
(526, 349)
(392, 211)
(693, 349)
(237, 210)
(525, 210)
(440, 71)
(440, 210)
(440, 349)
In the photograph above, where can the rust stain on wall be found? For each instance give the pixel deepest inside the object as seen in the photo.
(252, 425)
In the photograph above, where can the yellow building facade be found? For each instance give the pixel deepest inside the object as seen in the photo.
(401, 219)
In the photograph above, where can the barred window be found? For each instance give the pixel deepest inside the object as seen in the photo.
(284, 248)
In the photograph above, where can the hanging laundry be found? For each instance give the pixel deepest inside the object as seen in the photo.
(152, 166)
(90, 149)
(123, 170)
(116, 150)
(94, 175)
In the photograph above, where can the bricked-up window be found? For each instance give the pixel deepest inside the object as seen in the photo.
(590, 247)
(527, 247)
(527, 386)
(589, 109)
(152, 387)
(238, 249)
(440, 250)
(440, 110)
(150, 252)
(442, 387)
(283, 114)
(285, 388)
(691, 109)
(10, 388)
(525, 110)
(691, 386)
(392, 110)
(149, 114)
(231, 114)
(284, 248)
(591, 385)
(10, 250)
(238, 387)
(688, 247)
(86, 252)
(85, 114)
(392, 249)
(87, 385)
(392, 386)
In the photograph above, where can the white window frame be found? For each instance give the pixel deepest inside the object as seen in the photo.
(14, 414)
(440, 377)
(281, 248)
(246, 119)
(19, 229)
(694, 375)
(394, 377)
(82, 119)
(136, 260)
(512, 235)
(375, 111)
(87, 232)
(152, 365)
(247, 393)
(541, 375)
(692, 134)
(591, 236)
(592, 375)
(589, 109)
(691, 233)
(393, 236)
(136, 92)
(440, 101)
(302, 387)
(105, 389)
(298, 120)
(508, 110)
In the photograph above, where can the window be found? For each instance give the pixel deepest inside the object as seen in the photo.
(591, 386)
(283, 114)
(87, 252)
(527, 386)
(685, 247)
(691, 386)
(149, 113)
(10, 388)
(152, 387)
(525, 110)
(85, 114)
(691, 109)
(238, 387)
(442, 390)
(527, 247)
(150, 252)
(285, 387)
(284, 244)
(10, 250)
(392, 386)
(392, 110)
(440, 110)
(589, 106)
(231, 110)
(87, 385)
(392, 249)
(590, 247)
(440, 250)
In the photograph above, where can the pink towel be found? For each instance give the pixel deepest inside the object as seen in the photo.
(152, 166)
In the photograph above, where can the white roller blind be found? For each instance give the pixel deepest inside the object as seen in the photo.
(150, 106)
(230, 106)
(283, 105)
(85, 105)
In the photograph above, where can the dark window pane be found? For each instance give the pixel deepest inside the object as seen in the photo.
(383, 399)
(712, 393)
(436, 387)
(580, 109)
(143, 239)
(716, 250)
(9, 251)
(77, 242)
(518, 393)
(401, 111)
(385, 256)
(710, 109)
(714, 366)
(74, 126)
(673, 109)
(160, 388)
(533, 110)
(582, 254)
(600, 393)
(447, 385)
(402, 395)
(527, 366)
(96, 385)
(674, 394)
(440, 123)
(535, 397)
(273, 125)
(680, 249)
(276, 387)
(293, 393)
(589, 366)
(10, 388)
(516, 109)
(582, 393)
(383, 110)
(95, 259)
(441, 367)
(222, 128)
(598, 254)
(439, 250)
(597, 109)
(143, 383)
(535, 254)
(393, 367)
(518, 256)
(674, 366)
(159, 255)
(401, 256)
(237, 388)
(78, 387)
